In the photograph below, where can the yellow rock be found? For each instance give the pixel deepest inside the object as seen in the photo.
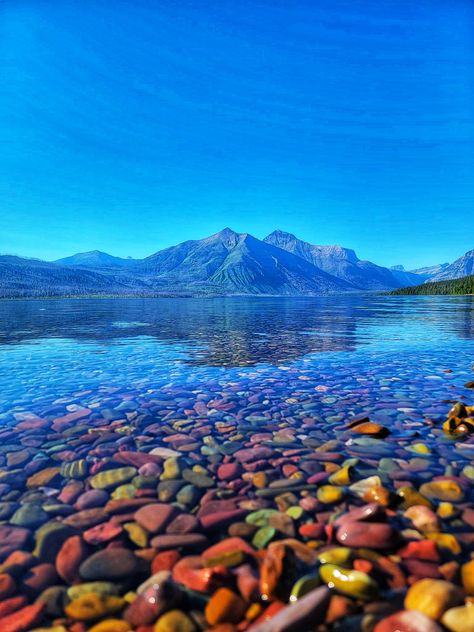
(199, 469)
(137, 534)
(445, 541)
(340, 555)
(171, 469)
(296, 476)
(111, 625)
(328, 494)
(174, 621)
(341, 477)
(419, 448)
(43, 478)
(459, 619)
(260, 480)
(349, 582)
(432, 597)
(92, 606)
(446, 510)
(124, 491)
(253, 611)
(411, 497)
(467, 574)
(446, 489)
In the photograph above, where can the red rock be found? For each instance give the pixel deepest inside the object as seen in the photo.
(102, 533)
(12, 605)
(190, 572)
(18, 562)
(221, 520)
(137, 459)
(228, 545)
(184, 523)
(60, 423)
(407, 621)
(38, 578)
(12, 539)
(421, 569)
(86, 518)
(71, 555)
(164, 561)
(7, 586)
(92, 498)
(247, 582)
(420, 550)
(71, 492)
(367, 513)
(155, 517)
(24, 619)
(253, 454)
(228, 471)
(312, 530)
(372, 535)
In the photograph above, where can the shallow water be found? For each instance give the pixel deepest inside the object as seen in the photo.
(339, 357)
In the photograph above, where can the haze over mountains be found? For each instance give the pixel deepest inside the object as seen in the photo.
(226, 263)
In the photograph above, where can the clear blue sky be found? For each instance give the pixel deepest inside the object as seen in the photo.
(131, 125)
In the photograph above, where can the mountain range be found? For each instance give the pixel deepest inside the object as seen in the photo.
(226, 263)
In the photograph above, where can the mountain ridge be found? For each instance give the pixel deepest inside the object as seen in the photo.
(224, 263)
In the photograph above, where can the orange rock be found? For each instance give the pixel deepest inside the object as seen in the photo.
(225, 607)
(24, 619)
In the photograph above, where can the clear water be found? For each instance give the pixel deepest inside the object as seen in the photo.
(395, 358)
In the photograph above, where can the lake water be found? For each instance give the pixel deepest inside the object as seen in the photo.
(170, 425)
(342, 356)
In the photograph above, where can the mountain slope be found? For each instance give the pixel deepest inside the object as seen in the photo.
(237, 263)
(405, 277)
(95, 259)
(30, 277)
(464, 285)
(431, 271)
(464, 266)
(340, 262)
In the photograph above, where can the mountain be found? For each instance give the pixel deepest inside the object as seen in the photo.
(405, 277)
(95, 259)
(431, 271)
(464, 285)
(237, 263)
(30, 277)
(340, 262)
(464, 266)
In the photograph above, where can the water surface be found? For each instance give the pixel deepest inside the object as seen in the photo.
(395, 358)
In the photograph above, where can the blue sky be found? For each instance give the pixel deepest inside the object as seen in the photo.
(130, 125)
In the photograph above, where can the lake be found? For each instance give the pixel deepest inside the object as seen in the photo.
(387, 356)
(225, 447)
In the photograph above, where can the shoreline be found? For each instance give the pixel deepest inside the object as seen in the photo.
(251, 522)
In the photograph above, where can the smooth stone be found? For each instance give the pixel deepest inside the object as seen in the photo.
(353, 583)
(24, 619)
(303, 586)
(92, 606)
(411, 496)
(407, 621)
(109, 479)
(30, 516)
(467, 576)
(71, 555)
(174, 621)
(432, 597)
(340, 556)
(423, 518)
(110, 564)
(446, 490)
(304, 614)
(111, 625)
(55, 598)
(199, 480)
(155, 517)
(99, 588)
(459, 619)
(50, 538)
(92, 498)
(328, 494)
(371, 535)
(224, 606)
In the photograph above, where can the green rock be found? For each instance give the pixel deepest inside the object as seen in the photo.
(261, 517)
(199, 480)
(49, 539)
(98, 588)
(303, 586)
(30, 516)
(349, 582)
(263, 536)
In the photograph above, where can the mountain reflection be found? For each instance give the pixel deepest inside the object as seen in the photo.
(237, 331)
